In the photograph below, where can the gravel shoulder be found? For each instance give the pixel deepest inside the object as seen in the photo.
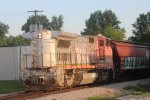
(110, 90)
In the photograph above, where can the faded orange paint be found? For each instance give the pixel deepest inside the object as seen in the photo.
(130, 50)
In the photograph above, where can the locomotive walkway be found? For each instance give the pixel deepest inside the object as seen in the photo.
(110, 90)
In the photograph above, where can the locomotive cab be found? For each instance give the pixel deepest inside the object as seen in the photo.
(104, 52)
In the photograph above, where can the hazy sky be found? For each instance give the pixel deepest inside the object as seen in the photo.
(75, 12)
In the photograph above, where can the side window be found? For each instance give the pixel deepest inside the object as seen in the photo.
(107, 42)
(101, 42)
(63, 44)
(91, 40)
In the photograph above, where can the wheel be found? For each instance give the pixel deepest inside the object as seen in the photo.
(69, 80)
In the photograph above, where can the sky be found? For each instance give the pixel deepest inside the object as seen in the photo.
(15, 12)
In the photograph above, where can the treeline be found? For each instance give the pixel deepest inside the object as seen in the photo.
(13, 41)
(105, 23)
(56, 23)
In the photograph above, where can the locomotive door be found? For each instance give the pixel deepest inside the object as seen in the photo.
(101, 50)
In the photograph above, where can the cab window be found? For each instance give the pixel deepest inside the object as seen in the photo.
(107, 42)
(101, 42)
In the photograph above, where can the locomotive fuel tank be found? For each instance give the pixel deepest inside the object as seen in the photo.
(89, 78)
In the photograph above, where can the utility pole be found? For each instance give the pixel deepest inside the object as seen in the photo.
(38, 55)
(35, 12)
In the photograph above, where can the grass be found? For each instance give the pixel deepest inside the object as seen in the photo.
(10, 86)
(139, 89)
(100, 98)
(135, 90)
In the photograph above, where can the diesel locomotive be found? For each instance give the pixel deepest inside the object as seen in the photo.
(61, 59)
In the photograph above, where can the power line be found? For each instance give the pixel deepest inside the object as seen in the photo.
(10, 15)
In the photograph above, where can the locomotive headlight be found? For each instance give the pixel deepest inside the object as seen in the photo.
(40, 35)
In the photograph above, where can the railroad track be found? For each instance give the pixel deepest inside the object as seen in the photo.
(29, 95)
(18, 96)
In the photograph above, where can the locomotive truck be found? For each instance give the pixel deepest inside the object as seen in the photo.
(62, 59)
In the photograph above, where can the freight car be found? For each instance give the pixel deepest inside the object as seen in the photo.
(62, 59)
(130, 60)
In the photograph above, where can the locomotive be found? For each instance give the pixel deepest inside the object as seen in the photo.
(61, 59)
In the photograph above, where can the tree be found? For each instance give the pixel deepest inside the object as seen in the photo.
(18, 40)
(42, 19)
(3, 29)
(13, 41)
(55, 24)
(141, 30)
(145, 37)
(115, 34)
(4, 41)
(99, 21)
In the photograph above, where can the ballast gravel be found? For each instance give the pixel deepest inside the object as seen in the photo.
(110, 90)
